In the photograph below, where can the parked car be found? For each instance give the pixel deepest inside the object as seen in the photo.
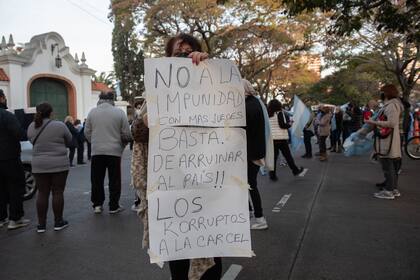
(26, 157)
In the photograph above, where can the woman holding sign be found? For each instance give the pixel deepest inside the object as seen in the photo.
(182, 45)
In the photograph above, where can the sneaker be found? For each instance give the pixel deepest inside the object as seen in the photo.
(98, 209)
(61, 225)
(135, 208)
(118, 210)
(41, 228)
(302, 172)
(259, 224)
(384, 195)
(18, 224)
(4, 222)
(396, 193)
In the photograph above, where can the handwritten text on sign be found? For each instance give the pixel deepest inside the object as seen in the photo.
(180, 93)
(199, 223)
(196, 157)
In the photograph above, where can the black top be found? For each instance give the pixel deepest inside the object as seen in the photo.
(74, 133)
(10, 135)
(255, 129)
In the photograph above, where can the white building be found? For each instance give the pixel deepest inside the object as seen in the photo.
(44, 70)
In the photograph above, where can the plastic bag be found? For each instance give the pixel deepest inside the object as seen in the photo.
(356, 144)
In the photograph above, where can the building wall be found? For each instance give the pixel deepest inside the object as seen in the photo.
(23, 70)
(5, 87)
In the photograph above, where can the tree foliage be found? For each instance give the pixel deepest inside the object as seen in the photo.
(128, 55)
(394, 53)
(253, 33)
(108, 79)
(388, 31)
(397, 16)
(355, 82)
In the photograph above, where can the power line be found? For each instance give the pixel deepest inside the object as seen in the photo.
(100, 11)
(89, 13)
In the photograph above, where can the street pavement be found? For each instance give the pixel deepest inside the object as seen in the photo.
(325, 225)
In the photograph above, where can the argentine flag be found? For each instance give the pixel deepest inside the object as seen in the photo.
(301, 116)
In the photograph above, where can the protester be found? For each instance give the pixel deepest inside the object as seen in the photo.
(108, 130)
(256, 150)
(12, 177)
(69, 121)
(80, 141)
(336, 130)
(88, 145)
(182, 45)
(139, 157)
(324, 131)
(280, 123)
(308, 133)
(387, 142)
(266, 162)
(347, 117)
(50, 164)
(356, 119)
(316, 124)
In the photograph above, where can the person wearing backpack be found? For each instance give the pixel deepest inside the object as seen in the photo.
(280, 123)
(387, 141)
(12, 177)
(50, 164)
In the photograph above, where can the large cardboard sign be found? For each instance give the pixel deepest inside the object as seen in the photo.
(196, 223)
(197, 164)
(196, 158)
(180, 93)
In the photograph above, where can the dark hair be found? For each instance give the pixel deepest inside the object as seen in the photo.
(274, 106)
(183, 38)
(390, 91)
(138, 103)
(107, 95)
(43, 111)
(2, 93)
(77, 121)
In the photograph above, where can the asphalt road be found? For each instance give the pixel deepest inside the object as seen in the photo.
(327, 225)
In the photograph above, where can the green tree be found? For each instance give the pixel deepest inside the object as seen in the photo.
(253, 33)
(108, 79)
(128, 55)
(355, 82)
(397, 16)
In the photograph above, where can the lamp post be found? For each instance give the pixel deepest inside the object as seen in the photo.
(58, 60)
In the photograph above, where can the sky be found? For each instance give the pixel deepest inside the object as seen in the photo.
(83, 24)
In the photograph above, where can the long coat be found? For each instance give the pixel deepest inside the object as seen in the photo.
(390, 147)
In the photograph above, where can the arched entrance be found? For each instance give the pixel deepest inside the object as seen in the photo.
(59, 93)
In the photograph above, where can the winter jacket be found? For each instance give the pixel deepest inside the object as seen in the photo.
(74, 133)
(255, 130)
(107, 129)
(10, 135)
(324, 126)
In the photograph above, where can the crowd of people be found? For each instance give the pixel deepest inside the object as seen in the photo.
(107, 132)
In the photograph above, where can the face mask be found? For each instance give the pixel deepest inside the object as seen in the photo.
(182, 54)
